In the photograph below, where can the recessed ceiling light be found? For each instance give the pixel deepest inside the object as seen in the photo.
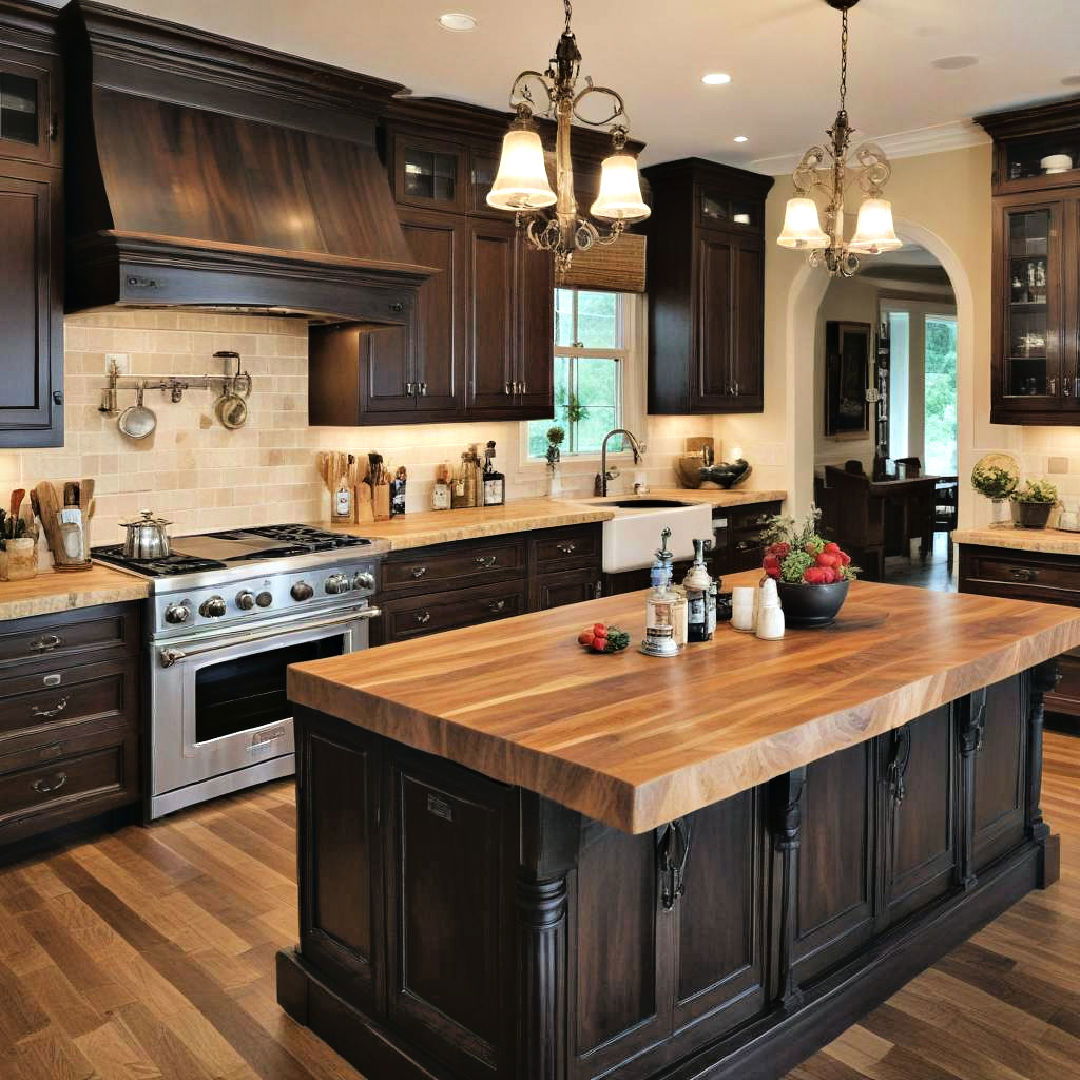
(742, 138)
(716, 78)
(457, 22)
(954, 63)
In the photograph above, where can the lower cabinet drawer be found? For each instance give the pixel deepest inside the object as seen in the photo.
(415, 616)
(452, 565)
(568, 587)
(71, 638)
(88, 774)
(56, 699)
(1023, 579)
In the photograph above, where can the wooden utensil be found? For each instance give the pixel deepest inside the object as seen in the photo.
(47, 506)
(86, 494)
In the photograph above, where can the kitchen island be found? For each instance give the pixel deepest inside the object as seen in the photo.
(521, 860)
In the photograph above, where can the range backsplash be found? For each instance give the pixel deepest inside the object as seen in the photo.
(202, 477)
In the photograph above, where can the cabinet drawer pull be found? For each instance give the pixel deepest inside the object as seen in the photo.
(496, 605)
(42, 788)
(47, 643)
(421, 389)
(1052, 385)
(423, 617)
(397, 307)
(141, 283)
(45, 714)
(1023, 573)
(418, 572)
(566, 547)
(507, 390)
(409, 389)
(487, 561)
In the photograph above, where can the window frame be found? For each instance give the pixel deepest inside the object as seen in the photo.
(629, 357)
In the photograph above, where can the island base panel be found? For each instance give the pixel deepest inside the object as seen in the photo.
(457, 928)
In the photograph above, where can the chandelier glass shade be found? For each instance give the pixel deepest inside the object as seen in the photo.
(522, 185)
(831, 168)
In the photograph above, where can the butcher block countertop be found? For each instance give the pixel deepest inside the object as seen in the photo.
(1047, 541)
(50, 592)
(524, 515)
(636, 741)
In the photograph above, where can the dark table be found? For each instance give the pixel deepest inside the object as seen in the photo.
(912, 503)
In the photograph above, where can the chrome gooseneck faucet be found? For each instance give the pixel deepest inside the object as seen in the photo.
(604, 476)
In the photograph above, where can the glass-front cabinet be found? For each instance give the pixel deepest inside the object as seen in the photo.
(1035, 302)
(28, 117)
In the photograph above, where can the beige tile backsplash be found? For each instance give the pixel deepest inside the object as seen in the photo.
(203, 477)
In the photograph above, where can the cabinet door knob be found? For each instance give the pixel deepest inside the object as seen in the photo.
(397, 307)
(506, 389)
(1052, 386)
(409, 388)
(1023, 573)
(418, 572)
(496, 605)
(423, 617)
(422, 388)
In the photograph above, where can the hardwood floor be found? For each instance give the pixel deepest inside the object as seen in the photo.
(149, 953)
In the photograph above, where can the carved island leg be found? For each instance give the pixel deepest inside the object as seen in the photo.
(971, 728)
(1044, 678)
(548, 850)
(786, 794)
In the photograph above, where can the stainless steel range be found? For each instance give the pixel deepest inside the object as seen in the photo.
(228, 613)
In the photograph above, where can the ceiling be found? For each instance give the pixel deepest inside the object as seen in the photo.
(910, 265)
(783, 56)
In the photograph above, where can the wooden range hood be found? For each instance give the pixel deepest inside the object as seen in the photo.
(208, 173)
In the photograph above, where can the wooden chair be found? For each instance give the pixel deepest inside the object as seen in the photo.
(856, 519)
(946, 510)
(855, 466)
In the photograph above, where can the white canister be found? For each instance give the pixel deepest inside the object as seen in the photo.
(770, 623)
(742, 608)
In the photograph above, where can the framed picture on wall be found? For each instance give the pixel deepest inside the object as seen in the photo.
(847, 378)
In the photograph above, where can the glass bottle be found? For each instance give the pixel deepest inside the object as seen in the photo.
(697, 584)
(494, 481)
(662, 606)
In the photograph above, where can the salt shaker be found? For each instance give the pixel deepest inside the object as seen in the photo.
(770, 622)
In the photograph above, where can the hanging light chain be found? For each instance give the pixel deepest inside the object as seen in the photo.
(568, 9)
(843, 62)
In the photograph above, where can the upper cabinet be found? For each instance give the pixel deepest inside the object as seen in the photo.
(1035, 308)
(706, 268)
(482, 342)
(31, 225)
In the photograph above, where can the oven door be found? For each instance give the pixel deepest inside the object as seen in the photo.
(219, 705)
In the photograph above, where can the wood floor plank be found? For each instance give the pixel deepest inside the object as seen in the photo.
(149, 954)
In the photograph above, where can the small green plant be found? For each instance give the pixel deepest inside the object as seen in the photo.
(575, 411)
(993, 481)
(555, 436)
(1036, 491)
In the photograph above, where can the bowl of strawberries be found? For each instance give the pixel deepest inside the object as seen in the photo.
(812, 574)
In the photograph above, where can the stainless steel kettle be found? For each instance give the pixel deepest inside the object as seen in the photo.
(147, 537)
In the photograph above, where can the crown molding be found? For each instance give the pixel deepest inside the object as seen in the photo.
(936, 139)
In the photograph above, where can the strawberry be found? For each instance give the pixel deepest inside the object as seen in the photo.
(815, 575)
(832, 548)
(827, 559)
(773, 572)
(599, 628)
(845, 558)
(586, 638)
(779, 549)
(599, 644)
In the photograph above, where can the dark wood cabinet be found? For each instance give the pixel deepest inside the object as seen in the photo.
(31, 232)
(706, 260)
(524, 940)
(481, 343)
(1035, 306)
(69, 722)
(1030, 575)
(429, 589)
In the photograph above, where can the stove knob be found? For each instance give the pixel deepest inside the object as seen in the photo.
(264, 599)
(363, 581)
(301, 591)
(213, 608)
(336, 584)
(177, 613)
(245, 601)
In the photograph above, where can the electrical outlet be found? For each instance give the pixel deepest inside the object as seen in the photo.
(121, 361)
(1057, 465)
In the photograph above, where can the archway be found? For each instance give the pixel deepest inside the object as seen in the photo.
(807, 291)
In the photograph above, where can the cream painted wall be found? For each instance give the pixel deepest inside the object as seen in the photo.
(941, 201)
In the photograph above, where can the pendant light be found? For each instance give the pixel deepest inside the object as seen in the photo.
(828, 168)
(522, 186)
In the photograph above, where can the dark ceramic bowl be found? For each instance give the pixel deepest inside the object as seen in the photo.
(727, 473)
(809, 606)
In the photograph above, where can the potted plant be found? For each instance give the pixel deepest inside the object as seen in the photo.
(996, 477)
(555, 436)
(812, 574)
(1034, 501)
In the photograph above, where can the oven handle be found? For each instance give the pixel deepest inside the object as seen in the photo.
(167, 656)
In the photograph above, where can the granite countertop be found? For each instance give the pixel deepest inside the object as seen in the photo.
(1048, 541)
(523, 515)
(52, 592)
(636, 741)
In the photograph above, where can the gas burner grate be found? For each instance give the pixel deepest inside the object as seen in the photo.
(168, 566)
(314, 538)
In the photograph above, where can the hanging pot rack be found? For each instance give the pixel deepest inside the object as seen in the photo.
(237, 384)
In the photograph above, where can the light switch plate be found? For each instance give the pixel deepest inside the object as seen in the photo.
(122, 360)
(1057, 465)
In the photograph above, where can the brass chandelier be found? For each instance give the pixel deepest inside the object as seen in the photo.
(828, 168)
(521, 185)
